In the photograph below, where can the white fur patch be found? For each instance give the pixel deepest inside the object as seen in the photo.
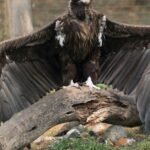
(60, 35)
(130, 141)
(61, 38)
(100, 39)
(7, 57)
(85, 1)
(101, 30)
(104, 18)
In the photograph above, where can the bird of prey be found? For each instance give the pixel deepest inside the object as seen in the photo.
(79, 45)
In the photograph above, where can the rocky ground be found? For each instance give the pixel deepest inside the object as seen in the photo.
(104, 134)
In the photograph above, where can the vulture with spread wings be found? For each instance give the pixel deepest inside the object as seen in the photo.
(81, 44)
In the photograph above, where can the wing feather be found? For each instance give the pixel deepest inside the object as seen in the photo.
(117, 29)
(27, 70)
(126, 61)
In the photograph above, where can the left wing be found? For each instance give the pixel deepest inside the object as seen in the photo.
(126, 60)
(125, 55)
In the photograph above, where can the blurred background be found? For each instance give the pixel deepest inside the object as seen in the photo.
(43, 11)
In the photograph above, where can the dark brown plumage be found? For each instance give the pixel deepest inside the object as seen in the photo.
(70, 48)
(80, 28)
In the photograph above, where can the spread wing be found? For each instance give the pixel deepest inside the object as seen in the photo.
(126, 61)
(28, 70)
(29, 66)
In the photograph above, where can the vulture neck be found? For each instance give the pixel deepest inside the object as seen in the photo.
(80, 12)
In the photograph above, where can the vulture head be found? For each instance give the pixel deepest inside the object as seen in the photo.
(79, 2)
(80, 8)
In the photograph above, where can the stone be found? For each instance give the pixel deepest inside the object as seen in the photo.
(60, 129)
(114, 133)
(73, 133)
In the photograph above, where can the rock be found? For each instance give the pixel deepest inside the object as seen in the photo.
(117, 136)
(124, 141)
(43, 142)
(98, 129)
(130, 141)
(81, 128)
(73, 133)
(134, 130)
(45, 139)
(114, 133)
(48, 138)
(60, 129)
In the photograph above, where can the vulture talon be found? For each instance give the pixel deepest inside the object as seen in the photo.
(72, 84)
(90, 84)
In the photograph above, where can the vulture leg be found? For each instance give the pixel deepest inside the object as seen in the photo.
(72, 84)
(91, 68)
(69, 70)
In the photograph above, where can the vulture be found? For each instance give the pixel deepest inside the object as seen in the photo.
(79, 45)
